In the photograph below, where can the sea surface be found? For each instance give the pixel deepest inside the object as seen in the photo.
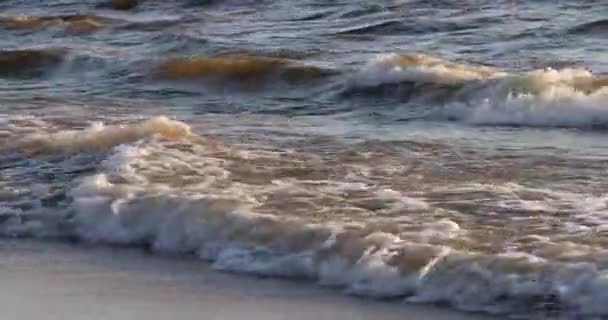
(445, 152)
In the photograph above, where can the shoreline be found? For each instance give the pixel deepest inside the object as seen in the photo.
(54, 280)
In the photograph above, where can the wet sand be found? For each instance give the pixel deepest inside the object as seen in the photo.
(62, 281)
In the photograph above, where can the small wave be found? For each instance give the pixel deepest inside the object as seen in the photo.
(98, 137)
(149, 22)
(197, 3)
(315, 15)
(30, 62)
(599, 27)
(539, 98)
(569, 97)
(362, 11)
(560, 108)
(395, 27)
(238, 67)
(383, 27)
(120, 4)
(419, 68)
(82, 23)
(72, 22)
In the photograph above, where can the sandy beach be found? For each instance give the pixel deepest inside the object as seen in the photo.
(62, 281)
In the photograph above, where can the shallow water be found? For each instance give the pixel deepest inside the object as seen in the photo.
(420, 150)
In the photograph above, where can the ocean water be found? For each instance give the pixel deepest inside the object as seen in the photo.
(448, 152)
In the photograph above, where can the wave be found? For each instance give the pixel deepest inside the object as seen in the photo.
(168, 190)
(599, 27)
(30, 62)
(239, 67)
(419, 68)
(131, 202)
(98, 137)
(123, 4)
(151, 22)
(474, 94)
(548, 98)
(378, 28)
(72, 22)
(86, 22)
(399, 26)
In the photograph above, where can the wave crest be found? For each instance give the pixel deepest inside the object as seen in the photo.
(30, 62)
(72, 22)
(419, 68)
(599, 27)
(570, 97)
(99, 137)
(238, 67)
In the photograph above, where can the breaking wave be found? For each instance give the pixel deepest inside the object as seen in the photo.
(569, 97)
(166, 189)
(98, 137)
(132, 202)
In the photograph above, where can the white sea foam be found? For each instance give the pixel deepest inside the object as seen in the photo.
(567, 97)
(544, 98)
(419, 68)
(130, 203)
(191, 195)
